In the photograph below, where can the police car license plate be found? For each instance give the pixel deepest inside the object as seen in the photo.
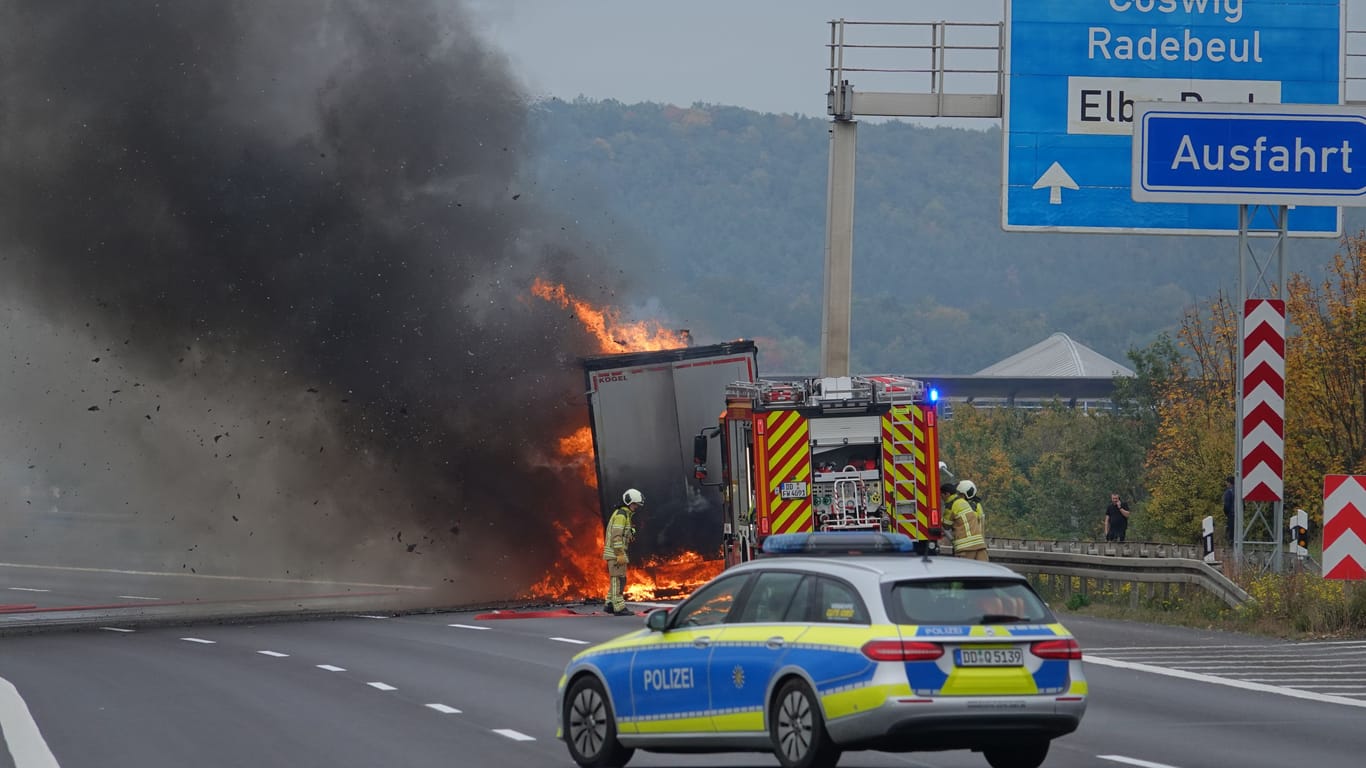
(990, 657)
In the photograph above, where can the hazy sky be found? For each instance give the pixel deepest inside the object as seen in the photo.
(768, 55)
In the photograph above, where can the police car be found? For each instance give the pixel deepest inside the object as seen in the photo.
(844, 642)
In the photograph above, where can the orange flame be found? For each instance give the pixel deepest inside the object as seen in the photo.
(656, 579)
(577, 448)
(581, 572)
(612, 333)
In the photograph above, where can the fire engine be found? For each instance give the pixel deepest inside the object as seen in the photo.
(825, 454)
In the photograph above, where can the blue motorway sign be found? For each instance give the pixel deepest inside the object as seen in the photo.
(1250, 154)
(1076, 69)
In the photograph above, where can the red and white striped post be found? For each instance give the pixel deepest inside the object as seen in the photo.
(1261, 411)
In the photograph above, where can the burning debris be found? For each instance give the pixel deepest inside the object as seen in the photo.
(294, 223)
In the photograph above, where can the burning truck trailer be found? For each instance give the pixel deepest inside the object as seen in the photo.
(645, 409)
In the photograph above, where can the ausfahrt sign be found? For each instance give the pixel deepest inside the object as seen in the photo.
(1254, 154)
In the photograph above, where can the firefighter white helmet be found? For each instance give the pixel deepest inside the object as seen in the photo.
(632, 496)
(968, 489)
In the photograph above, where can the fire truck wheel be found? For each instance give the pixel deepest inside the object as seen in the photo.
(590, 729)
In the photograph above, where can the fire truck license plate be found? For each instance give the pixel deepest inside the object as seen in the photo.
(990, 657)
(792, 491)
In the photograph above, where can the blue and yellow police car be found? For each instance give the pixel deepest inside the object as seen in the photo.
(844, 642)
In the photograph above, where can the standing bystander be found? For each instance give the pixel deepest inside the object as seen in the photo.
(1116, 519)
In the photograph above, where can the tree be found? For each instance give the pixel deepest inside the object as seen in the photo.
(1326, 376)
(1193, 392)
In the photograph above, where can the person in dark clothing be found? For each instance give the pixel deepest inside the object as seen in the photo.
(1228, 510)
(1116, 519)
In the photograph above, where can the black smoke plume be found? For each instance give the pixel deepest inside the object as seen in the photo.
(301, 227)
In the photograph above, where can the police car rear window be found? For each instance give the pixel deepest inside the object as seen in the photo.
(965, 601)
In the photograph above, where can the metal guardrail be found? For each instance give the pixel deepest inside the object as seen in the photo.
(1138, 563)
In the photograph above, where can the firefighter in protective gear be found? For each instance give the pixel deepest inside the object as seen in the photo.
(967, 520)
(621, 532)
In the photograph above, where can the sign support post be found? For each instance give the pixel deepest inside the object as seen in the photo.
(1261, 286)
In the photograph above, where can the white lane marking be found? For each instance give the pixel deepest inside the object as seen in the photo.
(136, 597)
(275, 654)
(198, 640)
(443, 709)
(27, 589)
(365, 616)
(467, 626)
(569, 640)
(330, 668)
(382, 686)
(1132, 761)
(27, 748)
(514, 735)
(1244, 685)
(177, 574)
(117, 629)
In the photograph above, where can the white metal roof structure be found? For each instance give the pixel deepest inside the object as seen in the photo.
(1058, 355)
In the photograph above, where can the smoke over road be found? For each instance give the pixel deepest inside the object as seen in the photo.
(267, 269)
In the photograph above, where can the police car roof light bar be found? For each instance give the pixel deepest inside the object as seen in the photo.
(838, 543)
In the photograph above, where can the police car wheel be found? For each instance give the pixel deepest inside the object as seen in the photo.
(1026, 755)
(590, 730)
(798, 729)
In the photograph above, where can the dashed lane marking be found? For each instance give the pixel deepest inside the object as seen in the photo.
(27, 589)
(569, 640)
(443, 709)
(135, 597)
(274, 654)
(1133, 761)
(467, 626)
(368, 616)
(330, 668)
(27, 748)
(382, 686)
(117, 629)
(198, 640)
(514, 735)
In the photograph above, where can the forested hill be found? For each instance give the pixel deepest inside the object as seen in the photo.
(719, 214)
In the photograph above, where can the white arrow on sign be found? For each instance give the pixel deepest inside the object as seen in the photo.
(1055, 178)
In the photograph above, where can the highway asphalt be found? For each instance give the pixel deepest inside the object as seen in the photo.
(459, 689)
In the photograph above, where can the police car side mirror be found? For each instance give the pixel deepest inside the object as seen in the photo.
(657, 619)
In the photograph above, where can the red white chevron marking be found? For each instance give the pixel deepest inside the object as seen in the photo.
(1344, 527)
(1263, 406)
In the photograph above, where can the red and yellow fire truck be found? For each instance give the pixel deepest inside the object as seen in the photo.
(825, 454)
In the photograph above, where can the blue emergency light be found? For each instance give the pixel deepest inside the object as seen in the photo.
(934, 394)
(838, 543)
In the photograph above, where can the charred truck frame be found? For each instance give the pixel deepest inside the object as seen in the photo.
(825, 454)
